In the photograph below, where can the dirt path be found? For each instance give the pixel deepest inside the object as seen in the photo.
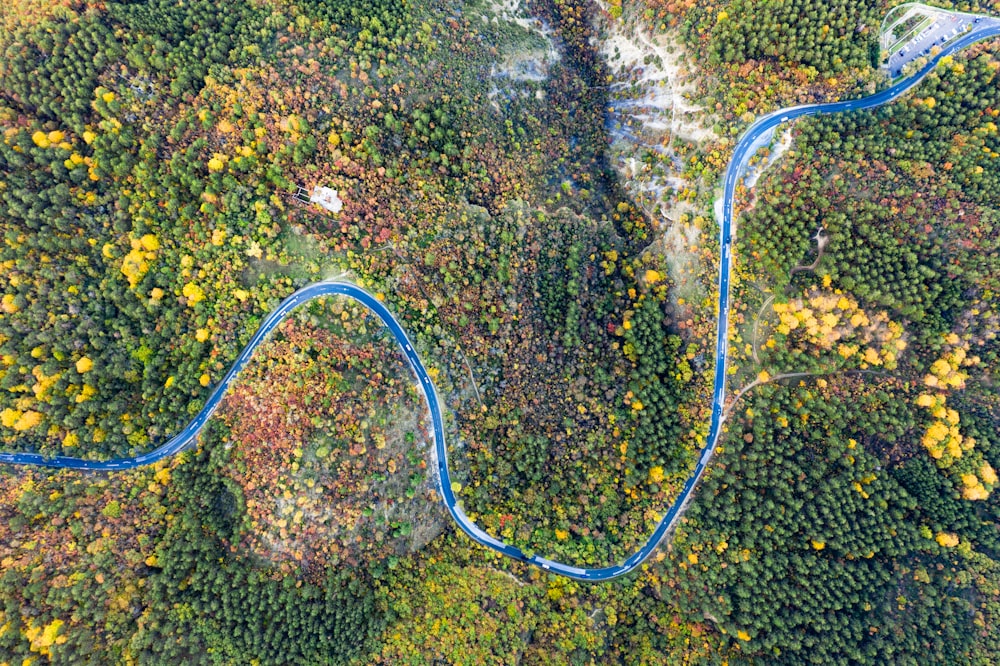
(795, 375)
(756, 328)
(822, 239)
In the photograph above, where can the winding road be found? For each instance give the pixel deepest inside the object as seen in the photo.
(754, 137)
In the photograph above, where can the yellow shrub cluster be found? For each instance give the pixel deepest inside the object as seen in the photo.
(18, 420)
(947, 539)
(43, 384)
(43, 638)
(76, 160)
(866, 480)
(53, 139)
(57, 139)
(942, 439)
(193, 293)
(8, 305)
(831, 320)
(217, 162)
(973, 486)
(134, 266)
(136, 262)
(86, 393)
(946, 372)
(9, 417)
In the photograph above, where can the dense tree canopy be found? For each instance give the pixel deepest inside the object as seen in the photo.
(150, 152)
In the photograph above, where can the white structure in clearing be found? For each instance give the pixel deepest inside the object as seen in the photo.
(323, 196)
(327, 198)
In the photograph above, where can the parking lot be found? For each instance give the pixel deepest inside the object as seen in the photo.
(945, 27)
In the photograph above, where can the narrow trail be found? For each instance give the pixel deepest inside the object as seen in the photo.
(822, 239)
(745, 149)
(797, 375)
(756, 328)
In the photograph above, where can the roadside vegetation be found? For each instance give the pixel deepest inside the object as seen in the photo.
(873, 402)
(149, 157)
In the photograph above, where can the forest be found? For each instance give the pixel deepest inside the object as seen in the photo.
(150, 152)
(878, 345)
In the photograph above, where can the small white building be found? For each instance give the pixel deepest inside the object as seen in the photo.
(326, 198)
(323, 196)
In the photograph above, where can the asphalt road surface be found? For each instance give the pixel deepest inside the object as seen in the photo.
(745, 148)
(946, 26)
